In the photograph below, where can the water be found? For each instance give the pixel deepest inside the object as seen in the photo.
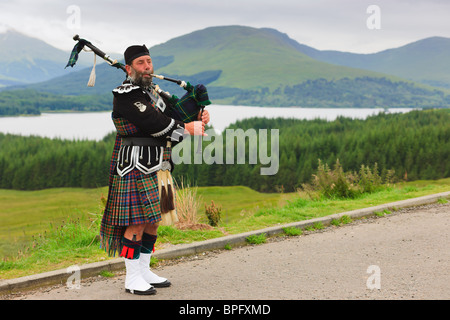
(95, 125)
(72, 126)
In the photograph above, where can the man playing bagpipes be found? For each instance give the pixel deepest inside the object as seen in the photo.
(141, 194)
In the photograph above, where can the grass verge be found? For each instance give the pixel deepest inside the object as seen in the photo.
(74, 241)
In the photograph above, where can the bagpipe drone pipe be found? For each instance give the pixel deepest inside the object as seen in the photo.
(186, 108)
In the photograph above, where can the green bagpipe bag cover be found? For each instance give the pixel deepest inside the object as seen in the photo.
(186, 108)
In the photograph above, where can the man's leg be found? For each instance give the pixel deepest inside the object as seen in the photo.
(131, 251)
(136, 231)
(151, 228)
(148, 242)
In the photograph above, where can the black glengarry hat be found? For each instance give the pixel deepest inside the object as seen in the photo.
(134, 52)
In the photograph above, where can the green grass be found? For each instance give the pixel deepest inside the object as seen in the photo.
(27, 213)
(256, 238)
(299, 208)
(239, 202)
(292, 231)
(64, 222)
(345, 219)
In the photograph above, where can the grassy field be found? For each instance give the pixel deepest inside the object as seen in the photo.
(238, 202)
(60, 225)
(27, 213)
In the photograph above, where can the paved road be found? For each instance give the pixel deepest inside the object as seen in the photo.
(406, 255)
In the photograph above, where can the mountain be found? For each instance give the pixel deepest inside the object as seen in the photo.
(426, 61)
(247, 58)
(249, 66)
(230, 56)
(27, 60)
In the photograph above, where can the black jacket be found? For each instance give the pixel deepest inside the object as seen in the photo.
(145, 110)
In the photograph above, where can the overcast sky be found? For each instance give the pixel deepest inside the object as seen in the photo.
(323, 24)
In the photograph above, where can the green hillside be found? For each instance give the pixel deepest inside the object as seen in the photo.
(27, 60)
(236, 56)
(249, 58)
(426, 61)
(241, 66)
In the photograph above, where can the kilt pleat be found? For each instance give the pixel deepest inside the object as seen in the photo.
(132, 199)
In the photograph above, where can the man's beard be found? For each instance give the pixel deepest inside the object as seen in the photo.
(138, 78)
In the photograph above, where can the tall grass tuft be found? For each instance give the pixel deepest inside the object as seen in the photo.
(187, 203)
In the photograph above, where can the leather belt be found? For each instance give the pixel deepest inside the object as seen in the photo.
(142, 141)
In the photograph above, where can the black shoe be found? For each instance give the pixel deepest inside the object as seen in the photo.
(164, 284)
(148, 292)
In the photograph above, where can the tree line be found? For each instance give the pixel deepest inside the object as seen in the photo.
(414, 145)
(32, 102)
(364, 92)
(33, 163)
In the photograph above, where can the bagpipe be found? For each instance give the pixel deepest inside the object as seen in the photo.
(186, 108)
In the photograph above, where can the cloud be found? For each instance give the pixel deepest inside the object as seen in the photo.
(323, 24)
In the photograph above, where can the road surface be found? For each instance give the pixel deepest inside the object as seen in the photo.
(404, 255)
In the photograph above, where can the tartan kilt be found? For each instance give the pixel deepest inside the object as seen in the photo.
(132, 199)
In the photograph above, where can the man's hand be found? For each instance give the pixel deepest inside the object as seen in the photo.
(204, 117)
(195, 128)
